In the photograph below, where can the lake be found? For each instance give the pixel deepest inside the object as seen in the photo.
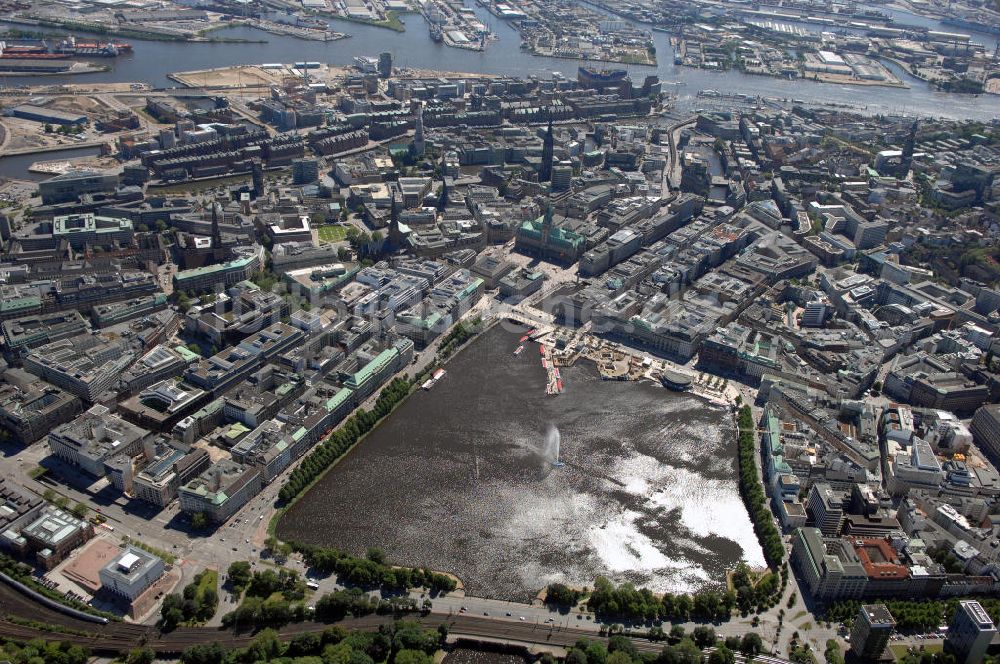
(456, 480)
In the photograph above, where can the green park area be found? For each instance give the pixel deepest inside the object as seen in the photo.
(332, 233)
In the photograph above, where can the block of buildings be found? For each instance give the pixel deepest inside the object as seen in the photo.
(221, 490)
(94, 437)
(49, 536)
(31, 408)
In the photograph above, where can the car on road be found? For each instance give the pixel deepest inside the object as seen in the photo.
(508, 614)
(486, 613)
(521, 618)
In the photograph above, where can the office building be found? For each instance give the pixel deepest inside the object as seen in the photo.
(970, 633)
(986, 429)
(81, 230)
(305, 170)
(871, 631)
(22, 334)
(829, 567)
(247, 261)
(70, 186)
(562, 176)
(826, 508)
(385, 64)
(88, 366)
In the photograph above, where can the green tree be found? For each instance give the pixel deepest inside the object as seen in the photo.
(140, 656)
(832, 653)
(751, 645)
(409, 656)
(722, 655)
(199, 521)
(80, 510)
(704, 636)
(171, 612)
(622, 644)
(239, 575)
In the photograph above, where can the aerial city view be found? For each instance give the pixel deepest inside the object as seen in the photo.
(499, 331)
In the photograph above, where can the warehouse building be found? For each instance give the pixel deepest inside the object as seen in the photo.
(47, 115)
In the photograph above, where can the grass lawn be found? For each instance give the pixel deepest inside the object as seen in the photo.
(208, 579)
(332, 233)
(900, 650)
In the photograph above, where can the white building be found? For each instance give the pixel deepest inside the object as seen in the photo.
(130, 573)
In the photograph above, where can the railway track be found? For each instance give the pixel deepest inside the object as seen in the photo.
(115, 637)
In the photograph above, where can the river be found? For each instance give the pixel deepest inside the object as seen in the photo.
(152, 61)
(456, 480)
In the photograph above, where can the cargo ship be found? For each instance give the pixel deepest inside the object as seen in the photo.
(6, 55)
(67, 48)
(93, 49)
(21, 50)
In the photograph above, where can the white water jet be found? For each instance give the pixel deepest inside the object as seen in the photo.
(550, 451)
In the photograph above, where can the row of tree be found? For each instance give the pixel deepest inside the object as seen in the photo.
(38, 651)
(753, 492)
(373, 571)
(341, 440)
(458, 335)
(559, 594)
(626, 602)
(405, 642)
(355, 602)
(920, 616)
(681, 649)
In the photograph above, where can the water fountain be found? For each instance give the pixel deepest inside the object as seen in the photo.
(550, 451)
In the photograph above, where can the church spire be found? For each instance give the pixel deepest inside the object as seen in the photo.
(418, 131)
(395, 233)
(906, 160)
(545, 172)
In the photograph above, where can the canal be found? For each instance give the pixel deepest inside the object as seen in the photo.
(457, 479)
(16, 166)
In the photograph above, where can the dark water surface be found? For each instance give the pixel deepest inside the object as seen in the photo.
(478, 656)
(455, 480)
